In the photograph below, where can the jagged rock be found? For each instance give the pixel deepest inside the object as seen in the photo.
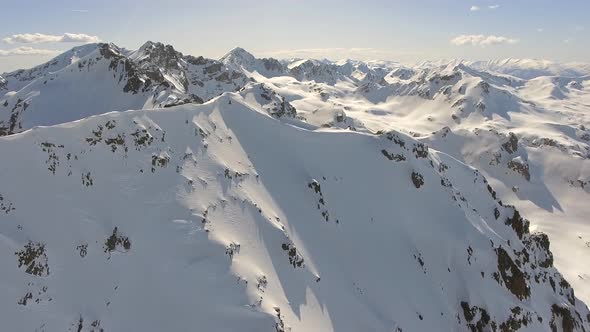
(417, 179)
(520, 166)
(511, 145)
(514, 279)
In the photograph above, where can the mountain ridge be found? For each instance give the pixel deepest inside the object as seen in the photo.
(266, 228)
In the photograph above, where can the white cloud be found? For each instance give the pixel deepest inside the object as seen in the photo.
(35, 38)
(482, 40)
(540, 29)
(25, 50)
(478, 8)
(80, 10)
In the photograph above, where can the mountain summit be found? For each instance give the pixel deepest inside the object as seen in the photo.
(240, 59)
(238, 56)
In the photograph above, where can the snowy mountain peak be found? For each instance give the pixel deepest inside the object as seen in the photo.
(158, 54)
(150, 45)
(241, 60)
(155, 75)
(238, 56)
(18, 79)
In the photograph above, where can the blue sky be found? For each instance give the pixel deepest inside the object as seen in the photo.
(402, 30)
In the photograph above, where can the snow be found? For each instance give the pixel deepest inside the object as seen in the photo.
(305, 187)
(18, 79)
(532, 68)
(105, 79)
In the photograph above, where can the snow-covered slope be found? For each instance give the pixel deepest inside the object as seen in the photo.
(548, 116)
(18, 79)
(100, 78)
(102, 81)
(219, 217)
(261, 97)
(532, 68)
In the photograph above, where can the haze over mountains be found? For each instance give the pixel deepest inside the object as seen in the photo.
(293, 195)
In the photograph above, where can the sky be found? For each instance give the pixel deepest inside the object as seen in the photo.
(33, 31)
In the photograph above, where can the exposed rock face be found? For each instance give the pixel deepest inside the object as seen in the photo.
(521, 167)
(208, 78)
(315, 70)
(136, 78)
(272, 65)
(562, 319)
(157, 60)
(514, 279)
(240, 60)
(33, 259)
(511, 145)
(519, 225)
(159, 55)
(478, 319)
(417, 179)
(269, 100)
(116, 242)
